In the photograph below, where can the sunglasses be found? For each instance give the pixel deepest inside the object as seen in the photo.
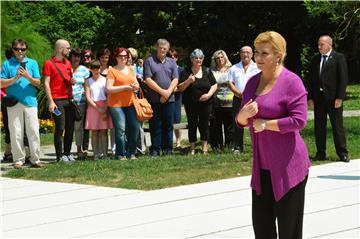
(122, 56)
(87, 56)
(19, 49)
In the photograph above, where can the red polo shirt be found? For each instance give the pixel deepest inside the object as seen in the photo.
(57, 85)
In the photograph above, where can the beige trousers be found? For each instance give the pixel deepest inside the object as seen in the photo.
(23, 117)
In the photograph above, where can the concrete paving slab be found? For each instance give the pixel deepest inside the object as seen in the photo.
(220, 209)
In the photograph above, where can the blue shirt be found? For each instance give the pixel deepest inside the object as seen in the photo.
(162, 73)
(78, 89)
(139, 70)
(22, 89)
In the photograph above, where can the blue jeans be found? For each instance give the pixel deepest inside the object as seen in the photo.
(125, 117)
(161, 127)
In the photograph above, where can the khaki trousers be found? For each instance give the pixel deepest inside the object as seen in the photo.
(23, 117)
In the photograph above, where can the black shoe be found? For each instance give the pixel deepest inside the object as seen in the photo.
(319, 157)
(167, 152)
(7, 158)
(154, 154)
(345, 159)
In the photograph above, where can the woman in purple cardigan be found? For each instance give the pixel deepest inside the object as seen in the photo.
(275, 108)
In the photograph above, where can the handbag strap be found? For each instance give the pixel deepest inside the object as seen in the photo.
(62, 76)
(141, 94)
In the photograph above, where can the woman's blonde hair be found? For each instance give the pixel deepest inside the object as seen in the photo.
(216, 54)
(275, 40)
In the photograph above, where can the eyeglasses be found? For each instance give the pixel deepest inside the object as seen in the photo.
(87, 56)
(19, 49)
(122, 56)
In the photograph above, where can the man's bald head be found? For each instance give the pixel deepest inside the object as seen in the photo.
(325, 44)
(61, 43)
(62, 48)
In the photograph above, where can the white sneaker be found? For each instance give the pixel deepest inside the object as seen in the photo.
(64, 159)
(71, 158)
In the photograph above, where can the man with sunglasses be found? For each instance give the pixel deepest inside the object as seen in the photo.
(21, 76)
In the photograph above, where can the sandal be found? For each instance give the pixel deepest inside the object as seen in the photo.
(18, 165)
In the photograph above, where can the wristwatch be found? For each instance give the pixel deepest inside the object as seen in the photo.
(263, 124)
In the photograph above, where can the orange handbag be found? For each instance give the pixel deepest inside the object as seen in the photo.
(142, 107)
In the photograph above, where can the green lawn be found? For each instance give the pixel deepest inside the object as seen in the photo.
(148, 174)
(352, 101)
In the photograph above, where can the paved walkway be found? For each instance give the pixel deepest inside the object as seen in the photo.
(219, 209)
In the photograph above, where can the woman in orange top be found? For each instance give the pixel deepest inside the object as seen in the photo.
(120, 86)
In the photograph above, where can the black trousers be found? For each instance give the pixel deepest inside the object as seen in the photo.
(289, 211)
(5, 123)
(6, 126)
(322, 108)
(198, 117)
(65, 121)
(220, 138)
(238, 135)
(86, 137)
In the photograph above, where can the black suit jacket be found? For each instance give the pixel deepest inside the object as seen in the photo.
(333, 78)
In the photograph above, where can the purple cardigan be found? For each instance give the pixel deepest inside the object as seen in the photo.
(283, 153)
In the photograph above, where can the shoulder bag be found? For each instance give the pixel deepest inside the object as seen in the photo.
(77, 111)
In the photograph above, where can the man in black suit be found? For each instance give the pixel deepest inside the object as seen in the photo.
(326, 88)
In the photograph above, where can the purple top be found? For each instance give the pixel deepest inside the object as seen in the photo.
(283, 153)
(162, 73)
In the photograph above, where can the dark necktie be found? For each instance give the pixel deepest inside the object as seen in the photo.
(323, 62)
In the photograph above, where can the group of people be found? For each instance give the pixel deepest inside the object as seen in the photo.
(264, 96)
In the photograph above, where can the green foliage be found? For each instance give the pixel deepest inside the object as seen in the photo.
(42, 23)
(345, 14)
(76, 22)
(305, 59)
(39, 46)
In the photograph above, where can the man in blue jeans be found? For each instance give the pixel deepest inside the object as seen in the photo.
(161, 76)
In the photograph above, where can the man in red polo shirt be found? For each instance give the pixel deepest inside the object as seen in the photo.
(58, 98)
